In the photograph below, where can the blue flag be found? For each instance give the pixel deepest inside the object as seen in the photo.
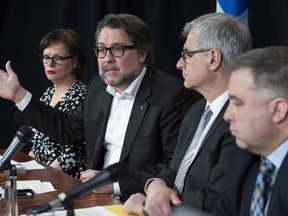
(237, 8)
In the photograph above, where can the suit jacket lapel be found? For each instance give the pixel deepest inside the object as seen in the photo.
(103, 108)
(192, 129)
(137, 114)
(216, 122)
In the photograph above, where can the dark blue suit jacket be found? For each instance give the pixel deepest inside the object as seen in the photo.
(236, 199)
(151, 134)
(209, 171)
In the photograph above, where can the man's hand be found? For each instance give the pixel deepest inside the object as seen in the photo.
(134, 203)
(159, 199)
(9, 85)
(89, 174)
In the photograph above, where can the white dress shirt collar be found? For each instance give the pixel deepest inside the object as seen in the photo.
(218, 103)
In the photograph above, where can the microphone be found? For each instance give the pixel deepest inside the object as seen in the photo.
(109, 175)
(23, 136)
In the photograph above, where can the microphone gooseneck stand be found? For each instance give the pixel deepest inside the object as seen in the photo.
(13, 191)
(10, 190)
(70, 209)
(68, 204)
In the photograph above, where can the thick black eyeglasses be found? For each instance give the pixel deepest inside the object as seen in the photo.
(185, 54)
(56, 59)
(116, 50)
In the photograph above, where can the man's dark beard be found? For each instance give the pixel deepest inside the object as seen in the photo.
(126, 80)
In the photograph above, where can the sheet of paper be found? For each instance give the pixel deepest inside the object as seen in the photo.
(118, 210)
(36, 185)
(94, 211)
(30, 165)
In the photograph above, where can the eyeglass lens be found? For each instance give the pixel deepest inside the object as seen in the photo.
(56, 59)
(116, 51)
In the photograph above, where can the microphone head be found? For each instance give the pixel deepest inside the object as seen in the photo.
(24, 134)
(22, 137)
(116, 171)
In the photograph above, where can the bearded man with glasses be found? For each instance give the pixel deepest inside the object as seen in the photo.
(132, 111)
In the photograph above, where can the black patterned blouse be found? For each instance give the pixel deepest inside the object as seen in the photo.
(72, 158)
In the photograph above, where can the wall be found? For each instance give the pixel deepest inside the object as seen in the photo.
(24, 23)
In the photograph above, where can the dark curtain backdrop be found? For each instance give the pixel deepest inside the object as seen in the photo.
(24, 23)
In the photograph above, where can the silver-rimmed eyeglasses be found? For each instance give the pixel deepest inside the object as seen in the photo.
(116, 50)
(56, 59)
(186, 54)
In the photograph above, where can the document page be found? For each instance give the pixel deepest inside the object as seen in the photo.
(94, 211)
(30, 165)
(36, 185)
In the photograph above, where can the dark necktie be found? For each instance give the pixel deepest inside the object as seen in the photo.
(263, 188)
(188, 158)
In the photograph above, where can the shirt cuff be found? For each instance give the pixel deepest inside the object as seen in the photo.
(149, 181)
(24, 102)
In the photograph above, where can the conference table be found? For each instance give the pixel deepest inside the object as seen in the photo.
(61, 182)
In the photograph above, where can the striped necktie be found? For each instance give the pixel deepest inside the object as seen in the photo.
(263, 188)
